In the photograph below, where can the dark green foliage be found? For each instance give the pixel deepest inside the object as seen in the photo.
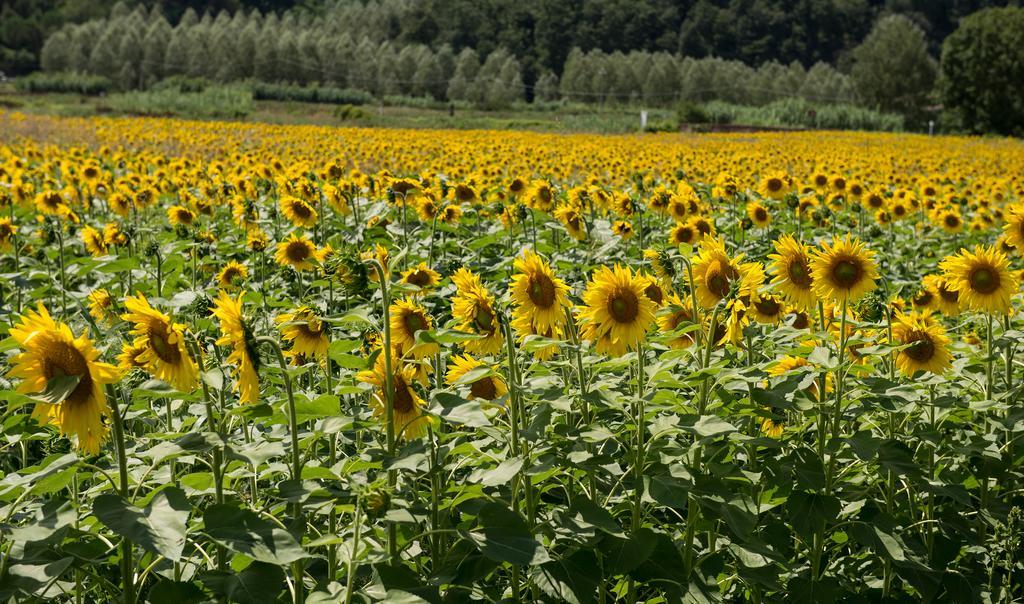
(79, 83)
(310, 94)
(982, 78)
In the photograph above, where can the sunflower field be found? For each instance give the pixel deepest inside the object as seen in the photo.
(271, 363)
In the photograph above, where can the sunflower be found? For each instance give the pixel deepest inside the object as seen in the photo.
(771, 426)
(791, 267)
(130, 357)
(622, 228)
(982, 279)
(653, 290)
(101, 307)
(232, 275)
(617, 312)
(775, 185)
(300, 213)
(947, 300)
(767, 309)
(843, 270)
(925, 298)
(927, 347)
(715, 273)
(569, 216)
(539, 296)
(950, 220)
(704, 226)
(662, 265)
(407, 319)
(297, 252)
(737, 319)
(422, 276)
(473, 309)
(540, 196)
(426, 208)
(236, 333)
(675, 314)
(379, 253)
(120, 203)
(306, 332)
(180, 215)
(1013, 229)
(113, 235)
(166, 355)
(681, 233)
(50, 350)
(759, 214)
(409, 421)
(490, 387)
(93, 241)
(7, 232)
(450, 214)
(50, 203)
(790, 364)
(256, 240)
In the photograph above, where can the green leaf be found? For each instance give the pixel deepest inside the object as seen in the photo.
(498, 476)
(461, 411)
(583, 508)
(259, 583)
(573, 579)
(810, 512)
(244, 532)
(504, 537)
(53, 519)
(325, 405)
(159, 527)
(621, 556)
(709, 426)
(175, 592)
(58, 388)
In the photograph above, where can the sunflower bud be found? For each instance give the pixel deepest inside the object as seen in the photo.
(350, 270)
(376, 502)
(871, 307)
(151, 249)
(200, 306)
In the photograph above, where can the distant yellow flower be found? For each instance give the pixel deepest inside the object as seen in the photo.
(232, 275)
(306, 332)
(473, 310)
(407, 407)
(297, 252)
(408, 319)
(7, 232)
(758, 214)
(422, 276)
(300, 213)
(926, 344)
(791, 266)
(180, 215)
(101, 307)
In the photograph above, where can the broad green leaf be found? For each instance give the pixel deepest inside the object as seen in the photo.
(244, 532)
(258, 583)
(160, 527)
(502, 536)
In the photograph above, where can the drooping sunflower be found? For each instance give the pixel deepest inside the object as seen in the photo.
(622, 228)
(409, 421)
(50, 350)
(300, 213)
(616, 311)
(129, 357)
(675, 314)
(737, 318)
(653, 290)
(408, 318)
(236, 334)
(539, 296)
(767, 309)
(306, 332)
(93, 241)
(232, 275)
(102, 308)
(790, 364)
(947, 300)
(574, 223)
(297, 252)
(473, 310)
(166, 354)
(843, 269)
(490, 387)
(927, 347)
(256, 240)
(982, 279)
(423, 277)
(379, 253)
(662, 265)
(715, 273)
(7, 232)
(180, 215)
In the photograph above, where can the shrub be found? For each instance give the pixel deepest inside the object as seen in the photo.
(310, 94)
(64, 82)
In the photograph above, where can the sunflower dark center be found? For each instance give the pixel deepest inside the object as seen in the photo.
(654, 293)
(65, 360)
(952, 220)
(403, 401)
(761, 214)
(719, 277)
(159, 339)
(923, 298)
(297, 251)
(774, 184)
(684, 235)
(802, 321)
(768, 306)
(846, 273)
(800, 273)
(418, 278)
(921, 348)
(624, 306)
(484, 389)
(541, 291)
(415, 322)
(984, 280)
(703, 226)
(484, 319)
(302, 210)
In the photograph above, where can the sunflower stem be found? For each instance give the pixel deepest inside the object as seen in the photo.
(217, 453)
(293, 428)
(389, 394)
(63, 279)
(127, 556)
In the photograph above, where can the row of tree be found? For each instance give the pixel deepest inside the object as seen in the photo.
(138, 48)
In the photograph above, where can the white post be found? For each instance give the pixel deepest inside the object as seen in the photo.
(643, 119)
